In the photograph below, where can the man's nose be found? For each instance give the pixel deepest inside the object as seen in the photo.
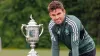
(56, 17)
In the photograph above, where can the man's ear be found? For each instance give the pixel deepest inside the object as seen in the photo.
(64, 10)
(49, 14)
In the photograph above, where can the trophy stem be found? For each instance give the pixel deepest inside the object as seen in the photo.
(32, 52)
(32, 45)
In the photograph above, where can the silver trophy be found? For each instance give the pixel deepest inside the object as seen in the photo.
(32, 34)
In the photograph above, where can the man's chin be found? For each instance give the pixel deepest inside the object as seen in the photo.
(58, 22)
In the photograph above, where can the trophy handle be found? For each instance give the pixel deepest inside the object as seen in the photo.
(23, 25)
(41, 30)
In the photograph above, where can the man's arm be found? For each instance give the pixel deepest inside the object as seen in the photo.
(55, 45)
(75, 33)
(75, 43)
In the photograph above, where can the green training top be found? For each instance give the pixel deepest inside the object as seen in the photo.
(72, 33)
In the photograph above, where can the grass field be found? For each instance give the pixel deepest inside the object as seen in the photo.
(41, 52)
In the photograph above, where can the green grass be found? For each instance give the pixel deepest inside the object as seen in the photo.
(41, 52)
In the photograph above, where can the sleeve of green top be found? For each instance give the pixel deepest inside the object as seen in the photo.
(75, 50)
(75, 46)
(75, 38)
(55, 45)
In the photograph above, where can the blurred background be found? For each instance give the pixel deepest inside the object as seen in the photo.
(14, 13)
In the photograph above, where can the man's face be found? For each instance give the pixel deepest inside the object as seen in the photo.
(57, 15)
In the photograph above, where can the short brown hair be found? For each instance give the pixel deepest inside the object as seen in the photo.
(54, 5)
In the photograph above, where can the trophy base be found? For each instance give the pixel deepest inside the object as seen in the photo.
(32, 53)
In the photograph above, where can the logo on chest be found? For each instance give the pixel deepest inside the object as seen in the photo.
(63, 32)
(58, 32)
(66, 32)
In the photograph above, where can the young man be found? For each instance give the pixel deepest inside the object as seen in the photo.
(69, 30)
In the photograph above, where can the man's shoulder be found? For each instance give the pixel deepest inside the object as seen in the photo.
(70, 15)
(73, 18)
(51, 24)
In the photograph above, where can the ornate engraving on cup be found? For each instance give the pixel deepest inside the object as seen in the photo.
(33, 34)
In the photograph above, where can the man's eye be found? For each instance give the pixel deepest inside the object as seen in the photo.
(53, 15)
(58, 13)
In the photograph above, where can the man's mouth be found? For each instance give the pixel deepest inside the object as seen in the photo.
(57, 21)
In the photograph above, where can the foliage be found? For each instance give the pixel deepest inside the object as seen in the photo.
(13, 13)
(88, 11)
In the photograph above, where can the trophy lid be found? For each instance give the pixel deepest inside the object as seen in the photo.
(32, 21)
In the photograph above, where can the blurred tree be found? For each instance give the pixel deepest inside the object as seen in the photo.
(13, 13)
(88, 11)
(91, 17)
